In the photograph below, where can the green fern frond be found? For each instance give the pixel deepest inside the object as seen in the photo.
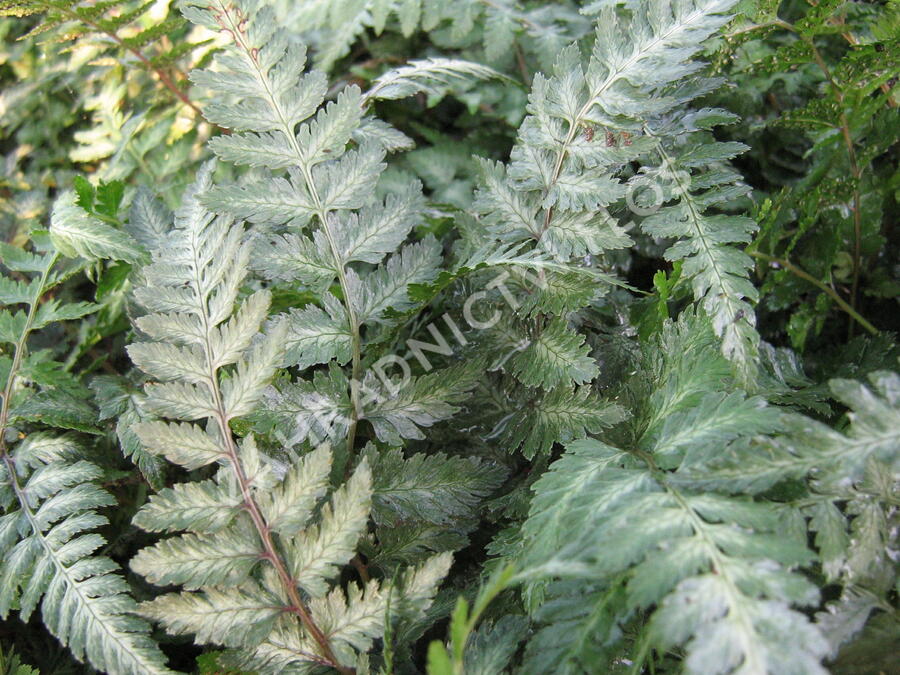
(589, 121)
(855, 469)
(75, 232)
(51, 498)
(559, 416)
(84, 603)
(552, 357)
(432, 488)
(117, 400)
(713, 573)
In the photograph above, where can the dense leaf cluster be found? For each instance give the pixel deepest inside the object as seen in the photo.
(485, 336)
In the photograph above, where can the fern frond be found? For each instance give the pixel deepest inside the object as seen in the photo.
(84, 603)
(51, 499)
(564, 174)
(433, 488)
(422, 505)
(712, 571)
(850, 473)
(717, 270)
(334, 26)
(317, 409)
(554, 356)
(431, 76)
(116, 399)
(559, 416)
(386, 287)
(838, 459)
(75, 232)
(337, 228)
(203, 507)
(275, 552)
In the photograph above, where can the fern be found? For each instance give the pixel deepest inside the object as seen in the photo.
(855, 468)
(385, 341)
(10, 664)
(328, 193)
(120, 400)
(50, 495)
(77, 231)
(325, 183)
(838, 132)
(323, 226)
(548, 217)
(108, 76)
(715, 574)
(563, 173)
(563, 415)
(653, 540)
(271, 560)
(431, 77)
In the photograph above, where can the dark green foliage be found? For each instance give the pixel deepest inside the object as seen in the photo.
(825, 94)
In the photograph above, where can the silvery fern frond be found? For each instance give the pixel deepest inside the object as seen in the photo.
(693, 168)
(78, 233)
(563, 187)
(276, 106)
(627, 545)
(51, 498)
(257, 546)
(850, 472)
(430, 76)
(838, 459)
(48, 544)
(320, 220)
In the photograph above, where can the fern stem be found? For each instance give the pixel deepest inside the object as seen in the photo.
(297, 607)
(641, 658)
(361, 568)
(825, 288)
(271, 553)
(238, 33)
